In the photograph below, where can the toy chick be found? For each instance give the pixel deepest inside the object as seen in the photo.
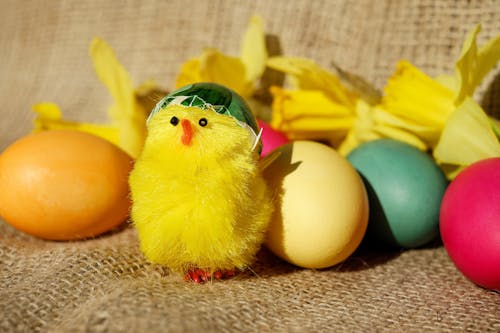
(200, 204)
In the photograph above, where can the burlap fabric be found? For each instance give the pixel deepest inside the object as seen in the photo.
(105, 285)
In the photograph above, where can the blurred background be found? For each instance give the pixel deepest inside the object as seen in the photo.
(44, 45)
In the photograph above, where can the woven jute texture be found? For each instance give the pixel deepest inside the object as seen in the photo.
(105, 285)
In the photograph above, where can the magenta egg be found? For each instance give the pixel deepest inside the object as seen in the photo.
(271, 138)
(470, 222)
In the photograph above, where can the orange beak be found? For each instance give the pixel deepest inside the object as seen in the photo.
(187, 132)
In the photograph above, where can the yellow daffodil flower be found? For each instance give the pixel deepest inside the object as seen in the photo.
(418, 99)
(466, 138)
(443, 107)
(318, 108)
(49, 117)
(373, 122)
(238, 73)
(128, 114)
(472, 65)
(415, 108)
(323, 107)
(309, 114)
(421, 100)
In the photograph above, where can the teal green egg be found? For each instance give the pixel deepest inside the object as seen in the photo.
(405, 188)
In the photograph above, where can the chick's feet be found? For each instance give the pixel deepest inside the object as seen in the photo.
(200, 276)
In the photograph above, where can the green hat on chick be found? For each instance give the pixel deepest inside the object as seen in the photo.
(215, 97)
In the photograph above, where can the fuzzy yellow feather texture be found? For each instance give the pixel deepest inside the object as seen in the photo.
(203, 205)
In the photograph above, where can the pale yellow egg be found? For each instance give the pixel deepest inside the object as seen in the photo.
(321, 211)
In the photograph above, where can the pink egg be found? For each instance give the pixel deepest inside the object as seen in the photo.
(271, 138)
(470, 222)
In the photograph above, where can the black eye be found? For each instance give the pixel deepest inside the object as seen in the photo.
(203, 122)
(174, 120)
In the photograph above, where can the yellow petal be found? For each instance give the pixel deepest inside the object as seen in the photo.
(419, 100)
(310, 76)
(253, 53)
(239, 74)
(308, 114)
(487, 58)
(190, 73)
(401, 135)
(46, 114)
(386, 125)
(466, 66)
(317, 124)
(49, 117)
(228, 71)
(374, 123)
(306, 103)
(132, 129)
(361, 131)
(126, 114)
(382, 117)
(472, 65)
(448, 81)
(467, 137)
(113, 75)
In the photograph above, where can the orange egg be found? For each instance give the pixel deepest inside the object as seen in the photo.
(64, 185)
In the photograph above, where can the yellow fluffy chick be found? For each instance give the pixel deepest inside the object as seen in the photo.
(200, 204)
